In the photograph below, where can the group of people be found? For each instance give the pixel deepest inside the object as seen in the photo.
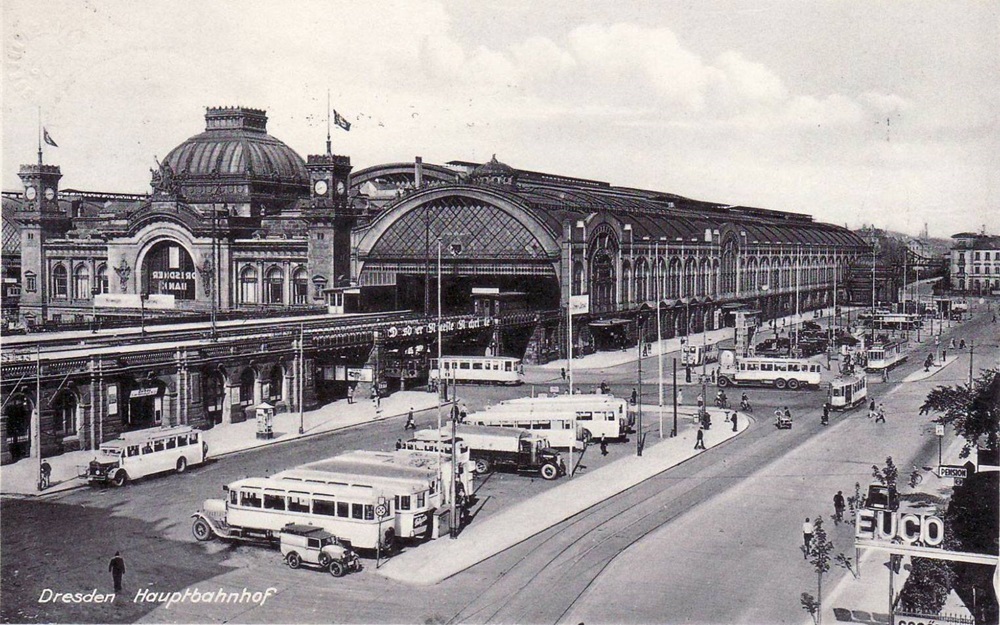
(876, 412)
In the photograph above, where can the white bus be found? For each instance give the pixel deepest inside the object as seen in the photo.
(885, 356)
(782, 373)
(144, 452)
(478, 370)
(426, 461)
(597, 415)
(416, 492)
(557, 430)
(698, 354)
(257, 508)
(848, 391)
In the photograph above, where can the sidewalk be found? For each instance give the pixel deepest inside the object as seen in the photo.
(441, 559)
(866, 599)
(601, 360)
(21, 477)
(936, 368)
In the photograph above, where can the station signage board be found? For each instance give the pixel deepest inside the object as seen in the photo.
(359, 374)
(144, 392)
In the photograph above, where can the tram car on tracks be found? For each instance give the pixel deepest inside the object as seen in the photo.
(885, 356)
(848, 391)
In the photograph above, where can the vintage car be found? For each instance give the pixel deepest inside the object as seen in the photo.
(783, 422)
(308, 544)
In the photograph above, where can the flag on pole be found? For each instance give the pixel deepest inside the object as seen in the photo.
(340, 121)
(48, 138)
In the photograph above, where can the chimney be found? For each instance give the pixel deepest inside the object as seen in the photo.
(418, 172)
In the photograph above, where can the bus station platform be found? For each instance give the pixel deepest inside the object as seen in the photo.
(442, 558)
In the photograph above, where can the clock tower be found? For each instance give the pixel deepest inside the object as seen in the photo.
(330, 218)
(41, 219)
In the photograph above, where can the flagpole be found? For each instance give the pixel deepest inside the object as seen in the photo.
(39, 136)
(328, 122)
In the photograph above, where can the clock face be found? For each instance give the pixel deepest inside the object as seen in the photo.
(29, 193)
(320, 187)
(49, 193)
(340, 187)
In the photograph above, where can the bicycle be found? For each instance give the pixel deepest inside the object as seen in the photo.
(916, 477)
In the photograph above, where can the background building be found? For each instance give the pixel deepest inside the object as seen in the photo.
(975, 263)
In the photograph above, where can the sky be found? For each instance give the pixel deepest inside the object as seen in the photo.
(857, 113)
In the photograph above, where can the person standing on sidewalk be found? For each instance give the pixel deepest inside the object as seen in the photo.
(604, 445)
(350, 394)
(680, 396)
(117, 569)
(635, 396)
(807, 536)
(699, 443)
(838, 507)
(733, 419)
(399, 444)
(871, 409)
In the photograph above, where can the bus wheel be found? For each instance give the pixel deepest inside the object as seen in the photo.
(336, 568)
(202, 530)
(779, 384)
(182, 464)
(293, 560)
(483, 466)
(723, 381)
(793, 384)
(549, 471)
(587, 437)
(120, 478)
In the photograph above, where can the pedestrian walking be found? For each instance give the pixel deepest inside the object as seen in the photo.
(562, 372)
(680, 397)
(410, 425)
(871, 409)
(463, 412)
(826, 413)
(117, 569)
(944, 357)
(880, 414)
(44, 475)
(953, 342)
(350, 394)
(635, 396)
(733, 419)
(807, 536)
(399, 444)
(838, 507)
(699, 442)
(604, 445)
(701, 402)
(885, 375)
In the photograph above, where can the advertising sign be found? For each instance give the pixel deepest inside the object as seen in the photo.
(112, 399)
(946, 470)
(132, 300)
(359, 374)
(144, 392)
(579, 304)
(887, 525)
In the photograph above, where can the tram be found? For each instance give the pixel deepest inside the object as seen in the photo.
(848, 391)
(885, 356)
(478, 370)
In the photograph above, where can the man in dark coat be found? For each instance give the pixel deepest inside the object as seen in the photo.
(117, 569)
(700, 441)
(604, 446)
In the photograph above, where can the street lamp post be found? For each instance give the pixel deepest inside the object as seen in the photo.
(659, 331)
(917, 294)
(301, 376)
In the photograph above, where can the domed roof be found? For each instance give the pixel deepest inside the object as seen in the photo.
(494, 171)
(235, 142)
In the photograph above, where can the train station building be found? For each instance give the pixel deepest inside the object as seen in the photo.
(238, 223)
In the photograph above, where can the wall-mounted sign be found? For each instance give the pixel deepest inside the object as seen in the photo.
(946, 470)
(149, 391)
(359, 374)
(112, 399)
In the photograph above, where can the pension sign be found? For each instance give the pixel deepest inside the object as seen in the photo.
(889, 525)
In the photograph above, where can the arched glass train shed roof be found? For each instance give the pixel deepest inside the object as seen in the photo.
(554, 200)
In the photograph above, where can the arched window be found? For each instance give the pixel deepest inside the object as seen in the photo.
(59, 282)
(81, 282)
(274, 292)
(674, 287)
(215, 395)
(579, 278)
(642, 280)
(300, 293)
(248, 285)
(627, 282)
(102, 279)
(247, 380)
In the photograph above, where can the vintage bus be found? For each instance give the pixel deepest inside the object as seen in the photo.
(848, 391)
(699, 354)
(426, 461)
(885, 356)
(478, 370)
(416, 492)
(257, 508)
(896, 321)
(597, 415)
(781, 373)
(145, 452)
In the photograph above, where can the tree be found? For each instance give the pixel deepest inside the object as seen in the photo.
(819, 554)
(886, 475)
(974, 518)
(972, 409)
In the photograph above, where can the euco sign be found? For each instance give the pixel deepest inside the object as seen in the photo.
(887, 525)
